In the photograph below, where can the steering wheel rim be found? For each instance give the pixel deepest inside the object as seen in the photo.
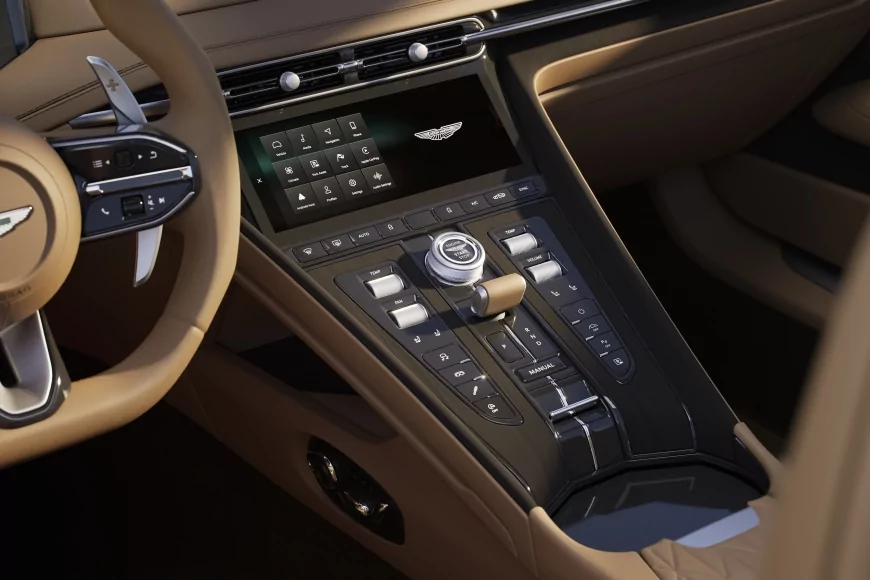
(209, 225)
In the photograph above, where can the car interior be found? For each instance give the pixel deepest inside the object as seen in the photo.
(543, 289)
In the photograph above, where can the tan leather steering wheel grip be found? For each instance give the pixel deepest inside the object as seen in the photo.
(210, 228)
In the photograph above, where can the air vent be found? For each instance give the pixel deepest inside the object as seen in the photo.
(406, 52)
(249, 87)
(276, 83)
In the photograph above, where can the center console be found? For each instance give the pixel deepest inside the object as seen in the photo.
(417, 213)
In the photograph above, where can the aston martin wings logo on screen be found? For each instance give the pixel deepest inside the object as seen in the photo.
(10, 219)
(444, 132)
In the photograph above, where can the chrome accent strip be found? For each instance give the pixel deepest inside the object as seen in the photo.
(147, 247)
(589, 439)
(27, 349)
(340, 47)
(98, 118)
(549, 19)
(62, 143)
(587, 402)
(140, 180)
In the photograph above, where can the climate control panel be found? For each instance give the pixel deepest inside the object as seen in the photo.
(537, 253)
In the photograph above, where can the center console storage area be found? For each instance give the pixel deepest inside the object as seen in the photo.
(415, 211)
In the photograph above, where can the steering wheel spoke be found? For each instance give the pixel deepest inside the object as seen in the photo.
(33, 381)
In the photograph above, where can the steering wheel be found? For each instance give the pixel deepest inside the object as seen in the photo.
(52, 197)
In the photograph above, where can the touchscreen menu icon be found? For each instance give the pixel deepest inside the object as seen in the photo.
(319, 165)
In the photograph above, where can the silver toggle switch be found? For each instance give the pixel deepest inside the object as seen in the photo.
(409, 316)
(545, 271)
(386, 286)
(520, 244)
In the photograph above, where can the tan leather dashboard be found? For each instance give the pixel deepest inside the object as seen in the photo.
(61, 85)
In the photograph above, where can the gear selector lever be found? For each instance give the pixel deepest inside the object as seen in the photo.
(498, 295)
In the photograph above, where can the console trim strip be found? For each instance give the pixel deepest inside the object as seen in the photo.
(550, 19)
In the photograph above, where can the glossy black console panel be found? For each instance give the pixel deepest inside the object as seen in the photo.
(637, 509)
(577, 384)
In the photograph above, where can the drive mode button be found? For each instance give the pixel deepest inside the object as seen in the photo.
(540, 369)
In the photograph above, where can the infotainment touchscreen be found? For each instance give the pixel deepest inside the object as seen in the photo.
(335, 161)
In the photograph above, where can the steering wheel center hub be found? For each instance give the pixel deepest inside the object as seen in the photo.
(40, 222)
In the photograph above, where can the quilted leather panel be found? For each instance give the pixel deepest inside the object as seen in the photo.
(736, 559)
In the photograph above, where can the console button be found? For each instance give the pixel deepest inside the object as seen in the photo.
(461, 373)
(353, 184)
(365, 236)
(604, 343)
(494, 408)
(505, 347)
(341, 159)
(541, 369)
(473, 204)
(563, 290)
(409, 315)
(546, 271)
(499, 197)
(301, 198)
(353, 127)
(315, 166)
(104, 213)
(303, 140)
(337, 244)
(386, 286)
(289, 172)
(476, 391)
(525, 188)
(309, 252)
(592, 327)
(378, 177)
(445, 357)
(327, 191)
(418, 221)
(428, 336)
(520, 244)
(277, 146)
(392, 228)
(123, 159)
(532, 337)
(448, 212)
(366, 152)
(617, 362)
(580, 310)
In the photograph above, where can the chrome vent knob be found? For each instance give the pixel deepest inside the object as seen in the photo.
(456, 259)
(418, 52)
(289, 81)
